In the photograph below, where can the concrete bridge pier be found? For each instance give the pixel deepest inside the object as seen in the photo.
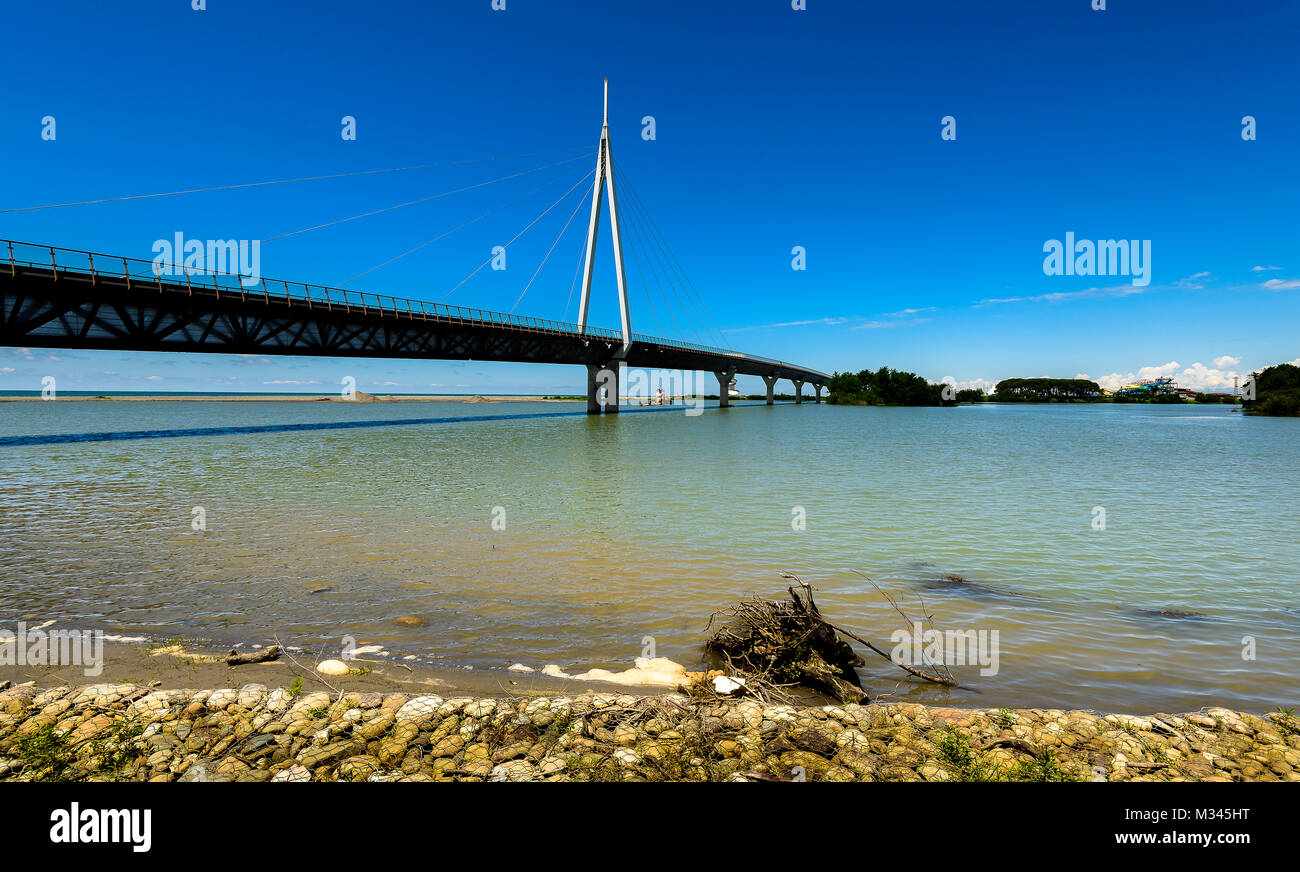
(602, 379)
(798, 390)
(612, 402)
(724, 386)
(770, 381)
(818, 393)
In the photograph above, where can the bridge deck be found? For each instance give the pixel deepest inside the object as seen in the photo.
(61, 298)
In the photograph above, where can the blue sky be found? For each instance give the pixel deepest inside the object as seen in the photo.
(775, 128)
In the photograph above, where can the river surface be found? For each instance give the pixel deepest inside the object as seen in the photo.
(1130, 557)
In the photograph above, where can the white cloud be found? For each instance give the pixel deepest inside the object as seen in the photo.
(885, 325)
(290, 381)
(1263, 268)
(983, 384)
(859, 322)
(819, 322)
(1116, 380)
(1190, 283)
(7, 369)
(1281, 284)
(1226, 360)
(1059, 296)
(1111, 382)
(1194, 282)
(1202, 378)
(1197, 377)
(1166, 369)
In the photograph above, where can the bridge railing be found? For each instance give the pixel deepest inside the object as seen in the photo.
(157, 275)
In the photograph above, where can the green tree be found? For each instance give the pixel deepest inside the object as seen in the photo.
(1277, 391)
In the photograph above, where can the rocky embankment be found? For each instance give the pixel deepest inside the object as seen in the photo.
(132, 733)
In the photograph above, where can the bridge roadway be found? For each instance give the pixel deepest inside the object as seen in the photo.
(61, 298)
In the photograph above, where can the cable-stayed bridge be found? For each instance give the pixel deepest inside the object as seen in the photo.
(56, 297)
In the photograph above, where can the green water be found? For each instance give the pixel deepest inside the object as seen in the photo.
(640, 525)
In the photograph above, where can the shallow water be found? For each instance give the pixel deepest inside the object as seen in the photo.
(623, 528)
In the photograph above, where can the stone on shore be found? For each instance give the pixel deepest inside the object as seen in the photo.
(124, 732)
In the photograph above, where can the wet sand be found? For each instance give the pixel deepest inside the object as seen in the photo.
(182, 667)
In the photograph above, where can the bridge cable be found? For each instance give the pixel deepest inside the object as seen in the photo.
(689, 287)
(425, 199)
(645, 289)
(668, 249)
(694, 302)
(582, 250)
(634, 226)
(517, 235)
(552, 248)
(282, 181)
(635, 213)
(687, 311)
(454, 229)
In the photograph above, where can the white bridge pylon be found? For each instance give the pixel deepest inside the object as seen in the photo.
(605, 173)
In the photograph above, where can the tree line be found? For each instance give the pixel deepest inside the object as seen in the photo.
(1039, 390)
(884, 387)
(1276, 389)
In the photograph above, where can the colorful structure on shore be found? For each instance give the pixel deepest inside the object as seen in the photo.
(1150, 387)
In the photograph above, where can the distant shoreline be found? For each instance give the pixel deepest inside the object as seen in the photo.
(286, 398)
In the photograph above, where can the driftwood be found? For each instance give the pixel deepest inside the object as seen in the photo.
(919, 673)
(764, 776)
(787, 643)
(784, 643)
(234, 658)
